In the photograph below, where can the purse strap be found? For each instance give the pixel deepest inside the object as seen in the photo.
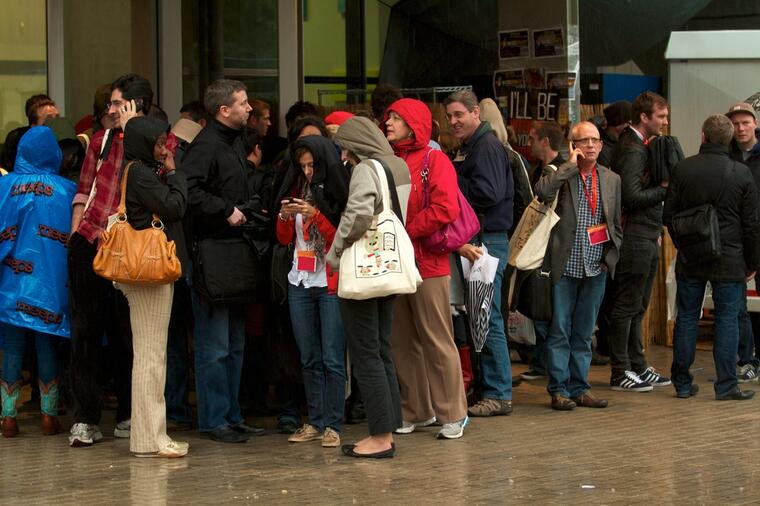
(122, 209)
(388, 185)
(425, 182)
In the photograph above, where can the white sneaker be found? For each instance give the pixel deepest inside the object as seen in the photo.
(173, 450)
(84, 435)
(453, 430)
(123, 429)
(408, 427)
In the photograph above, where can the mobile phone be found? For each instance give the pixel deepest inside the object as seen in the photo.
(138, 104)
(291, 200)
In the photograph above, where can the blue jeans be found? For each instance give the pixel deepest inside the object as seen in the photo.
(318, 330)
(177, 360)
(538, 361)
(219, 343)
(13, 355)
(728, 300)
(495, 367)
(575, 306)
(746, 337)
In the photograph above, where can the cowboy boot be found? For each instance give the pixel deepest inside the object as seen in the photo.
(49, 408)
(9, 395)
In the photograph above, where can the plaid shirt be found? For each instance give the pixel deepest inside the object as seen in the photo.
(584, 258)
(107, 194)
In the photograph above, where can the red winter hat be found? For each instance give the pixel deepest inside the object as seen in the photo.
(337, 117)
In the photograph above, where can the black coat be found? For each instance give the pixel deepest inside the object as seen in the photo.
(642, 195)
(216, 181)
(701, 179)
(147, 194)
(608, 146)
(752, 161)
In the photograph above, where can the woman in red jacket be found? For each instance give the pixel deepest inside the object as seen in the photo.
(422, 341)
(313, 195)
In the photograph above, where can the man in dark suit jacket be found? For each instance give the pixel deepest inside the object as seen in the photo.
(583, 248)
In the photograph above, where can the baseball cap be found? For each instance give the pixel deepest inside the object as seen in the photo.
(741, 107)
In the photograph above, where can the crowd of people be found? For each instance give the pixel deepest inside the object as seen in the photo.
(262, 225)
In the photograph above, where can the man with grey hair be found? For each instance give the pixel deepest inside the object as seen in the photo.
(712, 184)
(583, 249)
(217, 191)
(485, 178)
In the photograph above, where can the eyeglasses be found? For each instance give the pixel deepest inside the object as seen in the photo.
(115, 103)
(587, 141)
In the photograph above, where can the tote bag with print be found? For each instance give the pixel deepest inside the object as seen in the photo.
(381, 262)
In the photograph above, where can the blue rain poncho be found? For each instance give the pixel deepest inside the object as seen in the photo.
(35, 219)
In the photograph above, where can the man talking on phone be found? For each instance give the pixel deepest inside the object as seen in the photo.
(583, 249)
(97, 308)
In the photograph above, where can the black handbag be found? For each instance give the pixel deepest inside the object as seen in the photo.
(227, 271)
(696, 231)
(531, 293)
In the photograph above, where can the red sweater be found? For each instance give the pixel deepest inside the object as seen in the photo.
(442, 183)
(286, 234)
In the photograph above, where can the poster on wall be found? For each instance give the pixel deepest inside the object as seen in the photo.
(562, 81)
(534, 78)
(523, 106)
(548, 42)
(505, 79)
(514, 44)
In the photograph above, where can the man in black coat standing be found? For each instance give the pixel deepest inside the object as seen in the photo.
(711, 177)
(217, 193)
(639, 256)
(746, 149)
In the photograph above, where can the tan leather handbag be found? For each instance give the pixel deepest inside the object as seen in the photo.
(136, 257)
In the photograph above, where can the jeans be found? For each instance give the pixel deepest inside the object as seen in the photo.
(575, 306)
(13, 355)
(219, 344)
(368, 335)
(747, 353)
(632, 288)
(727, 298)
(538, 360)
(318, 330)
(495, 367)
(177, 359)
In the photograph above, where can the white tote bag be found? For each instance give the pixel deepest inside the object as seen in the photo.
(381, 262)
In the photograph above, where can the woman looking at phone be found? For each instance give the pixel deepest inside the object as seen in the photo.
(312, 198)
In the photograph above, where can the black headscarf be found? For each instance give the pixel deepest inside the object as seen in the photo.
(329, 181)
(140, 137)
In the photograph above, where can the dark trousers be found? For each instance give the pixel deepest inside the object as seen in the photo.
(97, 310)
(368, 333)
(754, 319)
(634, 276)
(178, 355)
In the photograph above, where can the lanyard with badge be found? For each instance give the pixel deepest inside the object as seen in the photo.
(597, 234)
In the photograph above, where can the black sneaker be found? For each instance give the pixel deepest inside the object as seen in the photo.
(243, 428)
(630, 382)
(747, 373)
(650, 376)
(532, 374)
(226, 435)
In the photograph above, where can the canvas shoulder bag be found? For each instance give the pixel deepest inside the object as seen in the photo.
(136, 257)
(381, 262)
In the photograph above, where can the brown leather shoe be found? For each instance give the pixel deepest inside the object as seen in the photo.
(588, 401)
(50, 425)
(10, 427)
(561, 403)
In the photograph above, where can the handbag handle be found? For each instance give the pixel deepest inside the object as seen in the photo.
(425, 182)
(122, 209)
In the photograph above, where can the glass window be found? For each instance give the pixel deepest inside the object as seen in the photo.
(23, 60)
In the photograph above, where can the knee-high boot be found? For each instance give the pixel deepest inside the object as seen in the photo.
(49, 408)
(10, 395)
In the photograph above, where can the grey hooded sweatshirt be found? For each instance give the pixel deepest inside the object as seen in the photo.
(365, 140)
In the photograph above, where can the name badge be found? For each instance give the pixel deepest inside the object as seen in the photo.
(598, 234)
(306, 260)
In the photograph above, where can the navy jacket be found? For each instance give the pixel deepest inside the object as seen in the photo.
(485, 179)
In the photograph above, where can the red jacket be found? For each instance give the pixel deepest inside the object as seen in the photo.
(442, 183)
(286, 234)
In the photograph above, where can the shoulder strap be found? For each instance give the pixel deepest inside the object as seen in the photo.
(391, 187)
(122, 210)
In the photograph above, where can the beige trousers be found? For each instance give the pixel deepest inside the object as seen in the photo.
(426, 358)
(149, 310)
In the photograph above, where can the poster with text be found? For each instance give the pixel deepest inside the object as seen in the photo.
(548, 43)
(514, 44)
